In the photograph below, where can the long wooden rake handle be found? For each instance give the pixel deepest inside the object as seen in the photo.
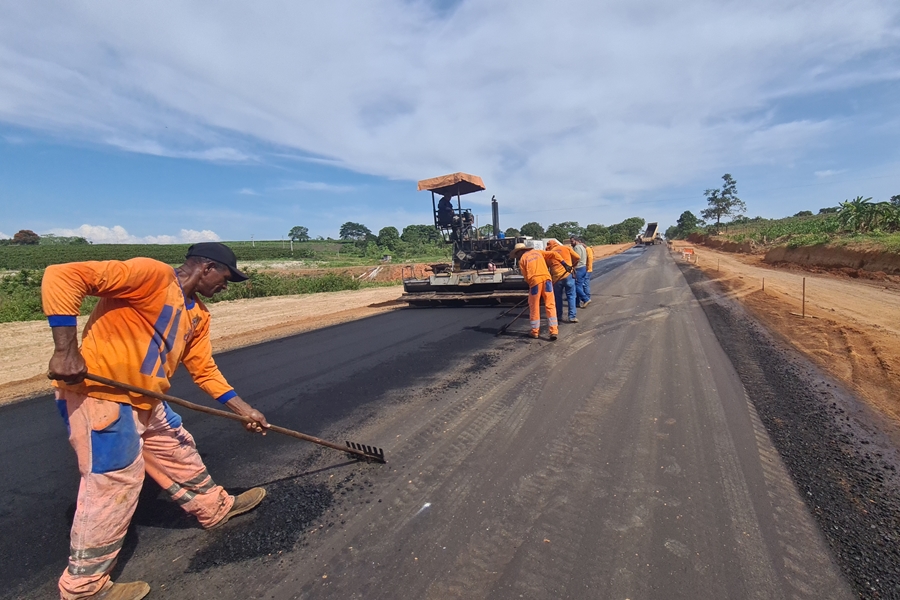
(369, 453)
(505, 327)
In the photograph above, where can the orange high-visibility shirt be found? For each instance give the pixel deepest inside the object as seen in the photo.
(590, 259)
(554, 262)
(533, 267)
(139, 332)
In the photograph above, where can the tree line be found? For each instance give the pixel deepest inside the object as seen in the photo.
(26, 237)
(416, 240)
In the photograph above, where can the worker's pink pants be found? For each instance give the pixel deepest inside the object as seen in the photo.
(115, 444)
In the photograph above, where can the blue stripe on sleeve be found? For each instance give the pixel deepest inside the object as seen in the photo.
(227, 396)
(62, 321)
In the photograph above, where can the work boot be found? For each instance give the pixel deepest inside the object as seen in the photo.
(123, 591)
(586, 303)
(242, 503)
(534, 335)
(573, 320)
(553, 337)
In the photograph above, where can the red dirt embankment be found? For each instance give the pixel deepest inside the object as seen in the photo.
(867, 263)
(851, 326)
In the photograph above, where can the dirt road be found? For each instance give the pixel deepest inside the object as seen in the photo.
(850, 330)
(627, 460)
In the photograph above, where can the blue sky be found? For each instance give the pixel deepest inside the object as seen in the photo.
(174, 122)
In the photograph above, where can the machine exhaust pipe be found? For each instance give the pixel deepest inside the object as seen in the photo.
(495, 210)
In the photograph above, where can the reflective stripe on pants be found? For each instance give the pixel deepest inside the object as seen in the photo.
(543, 291)
(114, 443)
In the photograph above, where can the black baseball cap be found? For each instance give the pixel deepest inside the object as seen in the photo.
(220, 253)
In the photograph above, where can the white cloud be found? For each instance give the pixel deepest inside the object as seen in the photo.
(248, 192)
(100, 234)
(317, 186)
(828, 173)
(4, 236)
(217, 154)
(576, 102)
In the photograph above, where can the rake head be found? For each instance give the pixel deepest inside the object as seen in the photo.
(367, 453)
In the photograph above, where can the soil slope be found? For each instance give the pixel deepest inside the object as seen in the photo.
(850, 328)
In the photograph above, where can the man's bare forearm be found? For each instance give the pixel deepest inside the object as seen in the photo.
(66, 363)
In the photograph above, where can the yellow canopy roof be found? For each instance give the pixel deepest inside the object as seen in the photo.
(453, 184)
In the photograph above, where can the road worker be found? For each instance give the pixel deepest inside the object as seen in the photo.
(537, 276)
(580, 270)
(148, 321)
(561, 261)
(590, 269)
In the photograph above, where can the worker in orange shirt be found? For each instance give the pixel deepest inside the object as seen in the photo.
(537, 276)
(148, 321)
(564, 282)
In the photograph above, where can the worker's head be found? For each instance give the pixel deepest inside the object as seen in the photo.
(214, 265)
(518, 250)
(573, 240)
(552, 243)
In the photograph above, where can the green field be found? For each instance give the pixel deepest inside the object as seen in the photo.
(41, 256)
(20, 297)
(316, 253)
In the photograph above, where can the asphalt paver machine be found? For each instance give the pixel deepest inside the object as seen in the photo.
(482, 272)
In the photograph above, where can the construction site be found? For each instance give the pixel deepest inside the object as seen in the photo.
(447, 299)
(688, 437)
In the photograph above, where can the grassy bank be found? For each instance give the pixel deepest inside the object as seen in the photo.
(20, 293)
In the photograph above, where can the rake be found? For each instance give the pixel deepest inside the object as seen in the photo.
(354, 449)
(505, 327)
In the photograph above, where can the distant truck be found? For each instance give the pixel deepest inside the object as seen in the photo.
(651, 235)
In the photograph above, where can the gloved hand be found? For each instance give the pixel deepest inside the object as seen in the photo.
(567, 267)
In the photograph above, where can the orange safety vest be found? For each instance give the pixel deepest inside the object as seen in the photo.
(140, 331)
(533, 267)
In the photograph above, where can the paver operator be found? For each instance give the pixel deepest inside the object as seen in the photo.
(534, 270)
(562, 261)
(149, 319)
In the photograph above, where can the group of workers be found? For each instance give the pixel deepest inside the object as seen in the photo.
(559, 272)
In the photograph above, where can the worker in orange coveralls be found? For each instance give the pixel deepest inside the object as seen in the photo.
(148, 321)
(534, 270)
(563, 278)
